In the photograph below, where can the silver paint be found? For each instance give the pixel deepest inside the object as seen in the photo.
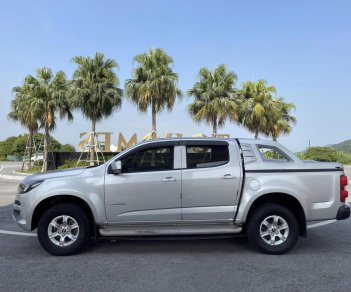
(183, 200)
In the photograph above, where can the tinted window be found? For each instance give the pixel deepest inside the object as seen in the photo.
(272, 154)
(206, 156)
(154, 159)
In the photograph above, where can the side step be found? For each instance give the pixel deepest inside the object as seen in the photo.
(144, 230)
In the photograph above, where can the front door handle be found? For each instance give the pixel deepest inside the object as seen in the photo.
(168, 179)
(228, 176)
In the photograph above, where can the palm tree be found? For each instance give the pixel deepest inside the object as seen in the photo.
(280, 120)
(257, 102)
(154, 84)
(94, 89)
(215, 98)
(48, 97)
(21, 112)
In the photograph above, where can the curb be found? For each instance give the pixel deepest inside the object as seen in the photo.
(22, 174)
(12, 177)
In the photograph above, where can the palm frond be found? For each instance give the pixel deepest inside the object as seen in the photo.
(214, 96)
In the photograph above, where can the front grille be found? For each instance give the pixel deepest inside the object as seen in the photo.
(16, 212)
(18, 203)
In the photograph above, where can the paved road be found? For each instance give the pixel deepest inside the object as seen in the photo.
(8, 187)
(348, 172)
(321, 262)
(7, 167)
(7, 191)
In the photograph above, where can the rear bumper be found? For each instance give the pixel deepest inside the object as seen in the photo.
(343, 212)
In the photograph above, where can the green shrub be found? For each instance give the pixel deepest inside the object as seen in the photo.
(71, 163)
(108, 157)
(345, 157)
(67, 148)
(300, 155)
(325, 154)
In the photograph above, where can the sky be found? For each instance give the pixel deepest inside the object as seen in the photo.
(301, 47)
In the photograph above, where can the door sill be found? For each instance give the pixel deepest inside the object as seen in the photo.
(181, 229)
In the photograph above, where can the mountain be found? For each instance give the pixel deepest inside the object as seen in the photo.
(343, 146)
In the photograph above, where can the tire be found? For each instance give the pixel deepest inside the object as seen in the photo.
(71, 226)
(273, 229)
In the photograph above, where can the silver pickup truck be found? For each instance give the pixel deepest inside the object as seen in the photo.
(184, 186)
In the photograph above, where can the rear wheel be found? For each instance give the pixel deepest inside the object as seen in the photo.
(273, 229)
(64, 229)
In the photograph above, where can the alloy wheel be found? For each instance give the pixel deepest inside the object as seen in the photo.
(274, 230)
(63, 230)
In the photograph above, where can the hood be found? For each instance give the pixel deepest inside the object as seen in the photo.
(53, 174)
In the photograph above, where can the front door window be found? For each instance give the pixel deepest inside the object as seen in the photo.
(155, 159)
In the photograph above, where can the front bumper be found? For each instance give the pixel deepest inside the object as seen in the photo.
(343, 212)
(20, 214)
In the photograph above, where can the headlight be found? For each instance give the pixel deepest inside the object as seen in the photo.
(22, 188)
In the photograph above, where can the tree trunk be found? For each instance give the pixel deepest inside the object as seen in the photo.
(275, 135)
(92, 143)
(153, 130)
(256, 134)
(28, 164)
(30, 152)
(214, 128)
(46, 148)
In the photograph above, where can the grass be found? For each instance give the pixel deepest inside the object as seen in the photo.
(34, 169)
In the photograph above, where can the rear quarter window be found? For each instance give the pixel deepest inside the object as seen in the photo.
(271, 153)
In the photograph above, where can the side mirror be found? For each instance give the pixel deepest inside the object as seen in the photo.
(116, 167)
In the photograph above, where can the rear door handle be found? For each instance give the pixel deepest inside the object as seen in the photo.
(168, 179)
(228, 176)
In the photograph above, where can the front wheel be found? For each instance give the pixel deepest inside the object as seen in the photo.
(63, 229)
(273, 229)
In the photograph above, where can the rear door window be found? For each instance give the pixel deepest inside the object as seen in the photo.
(206, 155)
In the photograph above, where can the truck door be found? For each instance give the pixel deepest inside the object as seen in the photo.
(149, 187)
(210, 180)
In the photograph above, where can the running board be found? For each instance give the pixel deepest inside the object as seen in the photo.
(169, 230)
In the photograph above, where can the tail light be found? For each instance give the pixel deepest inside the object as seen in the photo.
(343, 192)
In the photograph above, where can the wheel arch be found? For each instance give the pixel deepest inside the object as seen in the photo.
(285, 200)
(45, 204)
